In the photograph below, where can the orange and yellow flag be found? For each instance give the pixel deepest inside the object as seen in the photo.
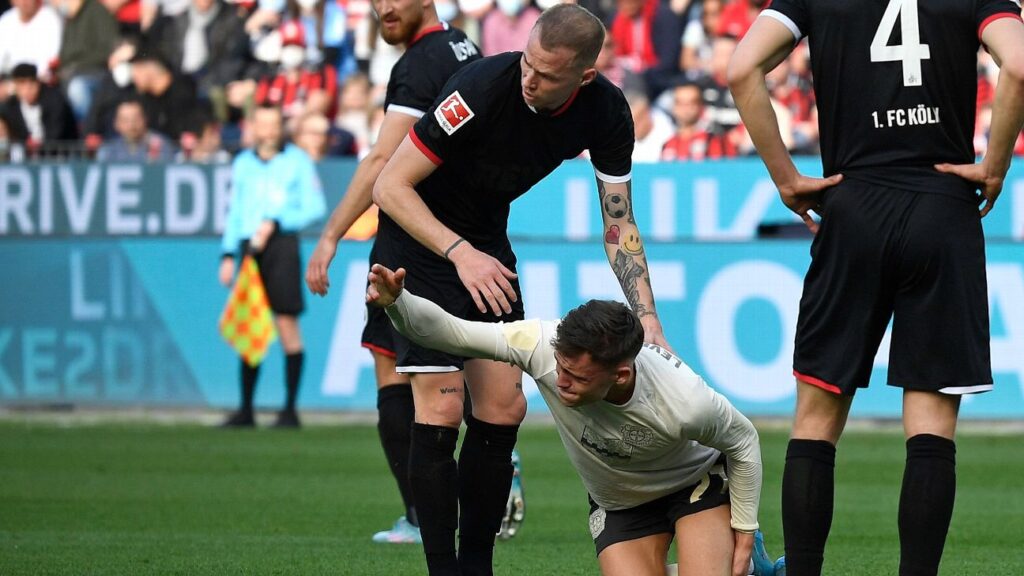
(246, 322)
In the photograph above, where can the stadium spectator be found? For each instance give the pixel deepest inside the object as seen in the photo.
(694, 139)
(507, 25)
(325, 27)
(651, 128)
(9, 151)
(37, 115)
(90, 35)
(354, 108)
(128, 14)
(275, 193)
(698, 38)
(647, 34)
(315, 135)
(900, 238)
(609, 65)
(653, 469)
(296, 86)
(30, 32)
(433, 52)
(153, 11)
(207, 43)
(202, 144)
(135, 142)
(167, 98)
(721, 108)
(446, 194)
(737, 17)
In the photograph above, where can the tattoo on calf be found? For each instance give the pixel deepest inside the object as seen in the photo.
(449, 390)
(628, 271)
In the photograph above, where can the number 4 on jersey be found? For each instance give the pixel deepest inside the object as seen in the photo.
(911, 51)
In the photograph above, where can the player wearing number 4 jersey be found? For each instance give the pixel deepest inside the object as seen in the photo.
(900, 234)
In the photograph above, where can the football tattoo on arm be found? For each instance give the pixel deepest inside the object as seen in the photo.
(625, 250)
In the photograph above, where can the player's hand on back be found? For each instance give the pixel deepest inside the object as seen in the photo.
(989, 184)
(803, 195)
(486, 278)
(385, 285)
(316, 271)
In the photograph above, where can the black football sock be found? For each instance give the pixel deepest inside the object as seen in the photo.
(808, 487)
(293, 375)
(249, 375)
(434, 478)
(395, 412)
(485, 476)
(926, 503)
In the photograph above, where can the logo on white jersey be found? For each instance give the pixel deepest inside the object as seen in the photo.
(452, 113)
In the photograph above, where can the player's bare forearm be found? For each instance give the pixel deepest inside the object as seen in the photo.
(625, 250)
(1004, 39)
(396, 195)
(762, 48)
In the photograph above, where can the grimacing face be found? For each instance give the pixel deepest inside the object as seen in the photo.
(581, 380)
(399, 19)
(548, 78)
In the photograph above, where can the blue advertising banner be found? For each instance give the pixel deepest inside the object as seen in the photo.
(706, 201)
(133, 321)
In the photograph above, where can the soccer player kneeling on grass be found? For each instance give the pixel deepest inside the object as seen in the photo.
(661, 454)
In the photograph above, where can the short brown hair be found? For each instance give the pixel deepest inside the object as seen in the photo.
(609, 331)
(573, 27)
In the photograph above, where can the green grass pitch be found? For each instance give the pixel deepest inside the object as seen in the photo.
(179, 499)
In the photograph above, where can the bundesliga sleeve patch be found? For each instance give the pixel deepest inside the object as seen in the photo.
(453, 113)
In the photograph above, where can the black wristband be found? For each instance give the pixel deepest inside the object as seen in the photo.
(452, 247)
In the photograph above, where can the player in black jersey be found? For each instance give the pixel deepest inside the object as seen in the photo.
(500, 126)
(900, 234)
(433, 52)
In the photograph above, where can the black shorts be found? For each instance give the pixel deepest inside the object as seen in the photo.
(659, 516)
(281, 271)
(378, 333)
(434, 278)
(918, 258)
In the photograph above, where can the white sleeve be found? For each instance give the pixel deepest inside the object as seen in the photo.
(519, 343)
(723, 427)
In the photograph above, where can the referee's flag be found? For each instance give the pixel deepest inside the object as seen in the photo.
(246, 322)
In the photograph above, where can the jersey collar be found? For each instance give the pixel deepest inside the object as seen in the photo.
(425, 31)
(561, 109)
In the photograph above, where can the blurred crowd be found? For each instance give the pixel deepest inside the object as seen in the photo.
(174, 80)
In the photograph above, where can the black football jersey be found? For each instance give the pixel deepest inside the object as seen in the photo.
(896, 83)
(491, 147)
(429, 61)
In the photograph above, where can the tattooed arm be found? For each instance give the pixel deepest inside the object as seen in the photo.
(625, 250)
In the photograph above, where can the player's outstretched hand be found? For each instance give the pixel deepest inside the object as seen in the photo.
(990, 185)
(385, 285)
(486, 278)
(316, 271)
(804, 194)
(742, 550)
